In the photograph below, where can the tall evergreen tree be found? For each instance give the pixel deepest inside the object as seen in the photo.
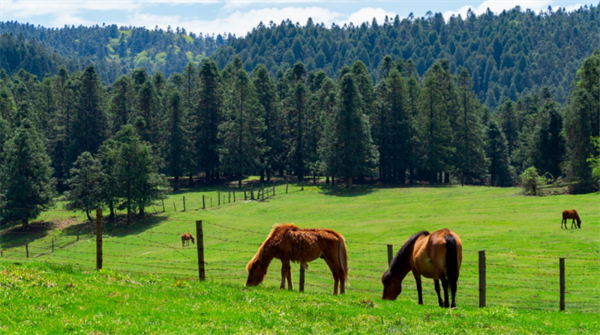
(85, 184)
(241, 131)
(177, 139)
(469, 133)
(498, 156)
(275, 127)
(121, 104)
(90, 120)
(548, 147)
(582, 122)
(352, 152)
(208, 117)
(434, 123)
(26, 182)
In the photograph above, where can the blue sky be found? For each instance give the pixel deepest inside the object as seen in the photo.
(239, 16)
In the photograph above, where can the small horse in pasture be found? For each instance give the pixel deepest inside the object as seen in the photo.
(570, 214)
(290, 243)
(186, 237)
(436, 256)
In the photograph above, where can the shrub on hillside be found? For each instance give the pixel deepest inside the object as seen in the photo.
(531, 181)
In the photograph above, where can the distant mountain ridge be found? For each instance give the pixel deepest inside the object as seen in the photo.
(508, 55)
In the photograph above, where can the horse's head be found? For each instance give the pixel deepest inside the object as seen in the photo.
(392, 286)
(256, 272)
(192, 238)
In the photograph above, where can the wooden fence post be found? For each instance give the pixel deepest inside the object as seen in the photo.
(233, 195)
(302, 183)
(229, 194)
(482, 278)
(390, 253)
(174, 207)
(184, 204)
(562, 284)
(251, 192)
(273, 188)
(301, 278)
(245, 198)
(210, 201)
(219, 201)
(77, 234)
(200, 246)
(203, 203)
(27, 249)
(99, 238)
(286, 187)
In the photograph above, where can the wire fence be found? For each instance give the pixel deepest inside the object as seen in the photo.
(512, 280)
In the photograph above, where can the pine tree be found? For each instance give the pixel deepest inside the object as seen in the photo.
(275, 128)
(497, 154)
(582, 122)
(241, 131)
(85, 184)
(434, 123)
(137, 179)
(297, 104)
(208, 117)
(469, 132)
(177, 139)
(548, 147)
(90, 122)
(26, 182)
(352, 152)
(121, 104)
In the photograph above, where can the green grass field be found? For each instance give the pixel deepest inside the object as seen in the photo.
(521, 236)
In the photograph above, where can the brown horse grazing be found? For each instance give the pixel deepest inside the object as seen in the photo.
(290, 243)
(186, 237)
(570, 214)
(437, 256)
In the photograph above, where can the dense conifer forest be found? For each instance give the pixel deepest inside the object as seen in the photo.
(481, 100)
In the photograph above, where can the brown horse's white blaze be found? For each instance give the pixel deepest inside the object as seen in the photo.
(437, 256)
(292, 244)
(186, 237)
(570, 214)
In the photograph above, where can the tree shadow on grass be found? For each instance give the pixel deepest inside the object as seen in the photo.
(19, 235)
(355, 191)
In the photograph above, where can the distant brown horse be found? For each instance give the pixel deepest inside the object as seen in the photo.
(186, 237)
(290, 243)
(570, 214)
(437, 256)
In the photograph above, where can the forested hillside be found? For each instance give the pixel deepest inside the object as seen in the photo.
(29, 55)
(115, 51)
(507, 55)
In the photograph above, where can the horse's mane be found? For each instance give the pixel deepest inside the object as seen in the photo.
(396, 263)
(259, 253)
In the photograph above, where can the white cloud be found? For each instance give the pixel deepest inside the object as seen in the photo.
(497, 6)
(367, 14)
(238, 22)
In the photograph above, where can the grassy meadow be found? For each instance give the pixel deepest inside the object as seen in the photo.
(149, 280)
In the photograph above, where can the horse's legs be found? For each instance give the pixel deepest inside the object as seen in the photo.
(285, 269)
(453, 287)
(335, 275)
(437, 290)
(445, 286)
(419, 287)
(289, 278)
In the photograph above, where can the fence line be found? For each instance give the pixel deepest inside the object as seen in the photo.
(544, 285)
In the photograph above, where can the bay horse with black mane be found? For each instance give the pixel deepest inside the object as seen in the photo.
(292, 244)
(437, 256)
(186, 237)
(570, 214)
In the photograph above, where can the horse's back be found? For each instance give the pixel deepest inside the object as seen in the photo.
(569, 213)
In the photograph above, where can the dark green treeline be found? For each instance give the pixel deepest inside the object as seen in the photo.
(204, 125)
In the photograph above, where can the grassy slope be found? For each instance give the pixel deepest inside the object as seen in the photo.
(521, 235)
(41, 298)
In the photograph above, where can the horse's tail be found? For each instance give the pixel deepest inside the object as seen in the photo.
(451, 259)
(343, 255)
